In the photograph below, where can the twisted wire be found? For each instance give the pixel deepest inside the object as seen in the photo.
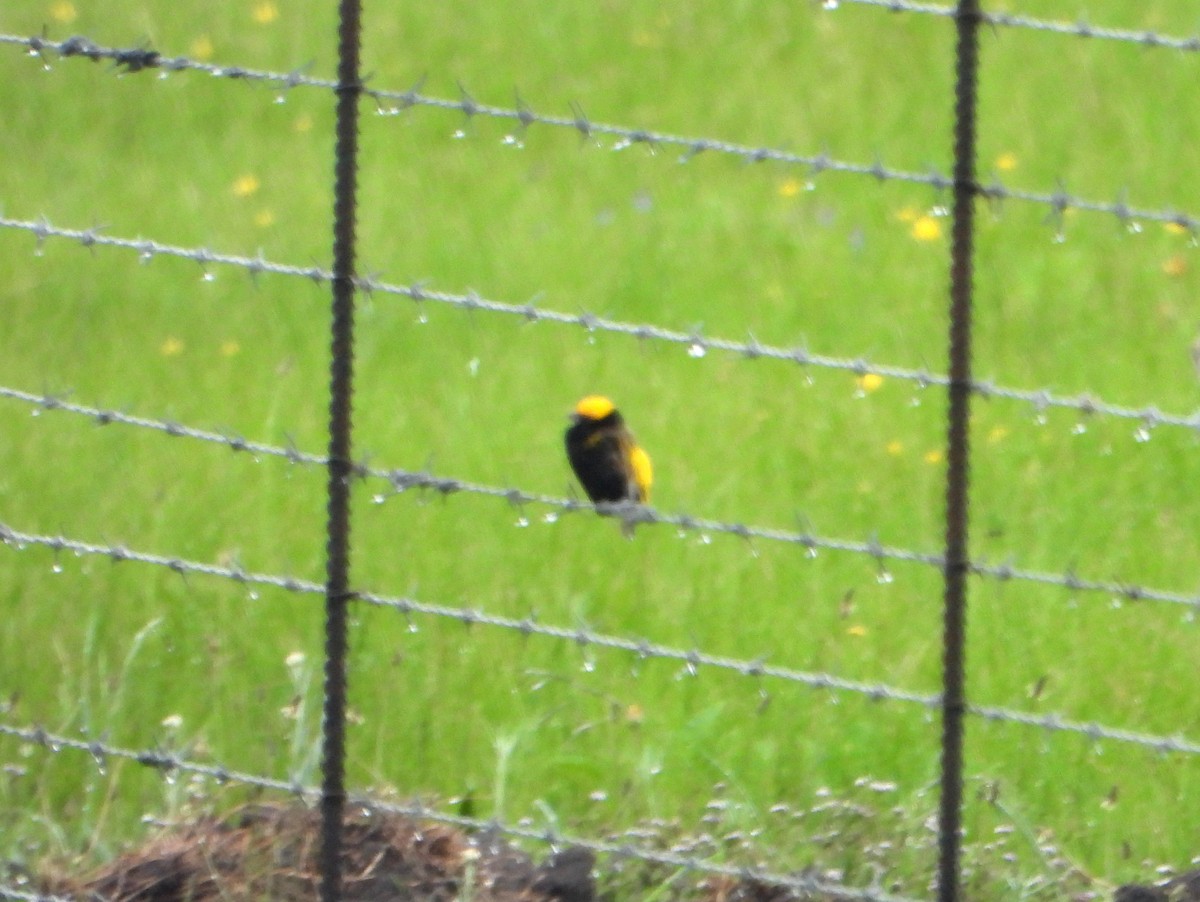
(393, 102)
(137, 60)
(104, 417)
(1080, 29)
(585, 638)
(167, 762)
(1085, 405)
(401, 480)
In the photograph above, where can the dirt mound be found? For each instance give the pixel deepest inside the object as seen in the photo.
(1184, 888)
(270, 852)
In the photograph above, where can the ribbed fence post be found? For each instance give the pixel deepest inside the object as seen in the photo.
(957, 562)
(337, 548)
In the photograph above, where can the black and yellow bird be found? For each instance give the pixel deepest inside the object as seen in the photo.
(610, 464)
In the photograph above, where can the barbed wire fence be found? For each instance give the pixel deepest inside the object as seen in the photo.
(585, 638)
(345, 281)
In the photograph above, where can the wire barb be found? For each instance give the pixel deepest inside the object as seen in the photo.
(401, 480)
(1041, 399)
(641, 648)
(626, 135)
(1079, 29)
(800, 883)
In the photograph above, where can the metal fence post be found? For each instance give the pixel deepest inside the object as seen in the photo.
(957, 563)
(337, 585)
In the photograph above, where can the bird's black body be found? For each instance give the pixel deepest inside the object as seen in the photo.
(599, 454)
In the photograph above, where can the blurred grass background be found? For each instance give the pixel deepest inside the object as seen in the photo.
(845, 265)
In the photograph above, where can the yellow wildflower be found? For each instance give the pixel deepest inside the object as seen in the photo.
(171, 347)
(789, 187)
(202, 48)
(926, 228)
(1175, 266)
(266, 13)
(869, 382)
(245, 186)
(63, 11)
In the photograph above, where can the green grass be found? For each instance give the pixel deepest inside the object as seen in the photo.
(525, 726)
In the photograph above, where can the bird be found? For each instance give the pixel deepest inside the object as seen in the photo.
(611, 466)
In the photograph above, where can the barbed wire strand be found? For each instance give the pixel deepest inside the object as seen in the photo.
(168, 762)
(402, 480)
(133, 62)
(1080, 29)
(138, 59)
(104, 417)
(697, 343)
(582, 636)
